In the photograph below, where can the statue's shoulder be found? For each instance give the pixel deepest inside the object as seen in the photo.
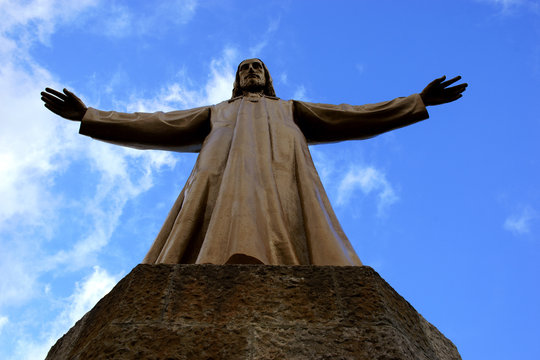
(232, 100)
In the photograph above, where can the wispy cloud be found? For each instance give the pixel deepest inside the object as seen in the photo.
(506, 3)
(181, 10)
(368, 180)
(326, 166)
(345, 181)
(118, 21)
(183, 94)
(508, 7)
(283, 78)
(31, 143)
(520, 223)
(222, 72)
(300, 93)
(19, 282)
(36, 20)
(123, 175)
(86, 294)
(255, 51)
(36, 149)
(3, 321)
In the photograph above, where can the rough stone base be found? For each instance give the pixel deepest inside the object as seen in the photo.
(253, 312)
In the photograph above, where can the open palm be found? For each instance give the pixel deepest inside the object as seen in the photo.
(67, 105)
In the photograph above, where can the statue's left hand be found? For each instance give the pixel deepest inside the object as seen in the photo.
(437, 92)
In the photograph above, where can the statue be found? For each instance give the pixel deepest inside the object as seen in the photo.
(254, 196)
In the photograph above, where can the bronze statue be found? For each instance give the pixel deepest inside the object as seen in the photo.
(254, 196)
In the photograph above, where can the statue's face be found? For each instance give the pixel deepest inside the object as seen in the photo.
(251, 73)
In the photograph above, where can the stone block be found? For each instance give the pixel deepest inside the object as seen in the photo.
(253, 312)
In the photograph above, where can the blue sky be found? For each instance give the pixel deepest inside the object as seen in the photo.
(447, 210)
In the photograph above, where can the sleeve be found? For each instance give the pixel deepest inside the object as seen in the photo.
(322, 123)
(182, 131)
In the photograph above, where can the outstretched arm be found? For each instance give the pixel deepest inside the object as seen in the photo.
(183, 130)
(322, 123)
(437, 92)
(67, 105)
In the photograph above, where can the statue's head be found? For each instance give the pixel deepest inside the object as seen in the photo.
(252, 75)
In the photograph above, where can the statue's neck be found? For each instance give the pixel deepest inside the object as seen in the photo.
(258, 91)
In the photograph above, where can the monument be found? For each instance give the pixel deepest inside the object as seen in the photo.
(254, 197)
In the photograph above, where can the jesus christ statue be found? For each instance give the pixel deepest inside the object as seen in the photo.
(254, 196)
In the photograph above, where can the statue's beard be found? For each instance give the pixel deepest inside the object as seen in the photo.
(252, 84)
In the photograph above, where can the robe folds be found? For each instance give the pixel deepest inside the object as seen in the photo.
(254, 195)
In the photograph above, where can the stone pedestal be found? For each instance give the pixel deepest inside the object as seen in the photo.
(253, 312)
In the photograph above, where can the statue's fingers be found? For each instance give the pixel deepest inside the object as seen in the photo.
(458, 89)
(54, 109)
(56, 93)
(53, 100)
(451, 81)
(437, 81)
(69, 93)
(453, 98)
(72, 95)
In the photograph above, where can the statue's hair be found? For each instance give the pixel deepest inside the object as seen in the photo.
(268, 87)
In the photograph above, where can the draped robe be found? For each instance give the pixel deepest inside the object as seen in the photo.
(254, 195)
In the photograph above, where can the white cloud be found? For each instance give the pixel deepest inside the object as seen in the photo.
(183, 94)
(506, 3)
(33, 20)
(3, 321)
(300, 94)
(520, 223)
(181, 10)
(36, 146)
(326, 166)
(283, 78)
(255, 51)
(19, 277)
(32, 143)
(343, 179)
(118, 21)
(86, 294)
(123, 175)
(36, 20)
(222, 72)
(508, 7)
(368, 180)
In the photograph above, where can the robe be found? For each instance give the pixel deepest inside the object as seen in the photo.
(254, 195)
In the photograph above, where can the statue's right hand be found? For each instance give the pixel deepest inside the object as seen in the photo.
(67, 105)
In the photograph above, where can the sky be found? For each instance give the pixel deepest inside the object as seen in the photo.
(447, 210)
